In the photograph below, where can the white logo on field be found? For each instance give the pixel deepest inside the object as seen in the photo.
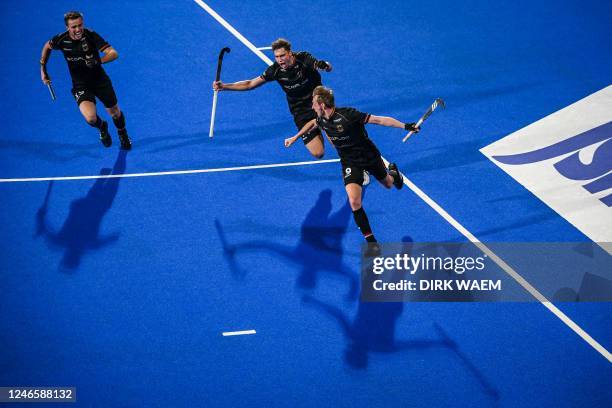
(565, 159)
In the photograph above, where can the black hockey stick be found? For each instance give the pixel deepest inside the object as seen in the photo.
(217, 78)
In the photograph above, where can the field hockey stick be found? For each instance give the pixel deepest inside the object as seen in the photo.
(217, 78)
(434, 105)
(49, 86)
(51, 90)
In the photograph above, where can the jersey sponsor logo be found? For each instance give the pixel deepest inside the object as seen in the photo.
(304, 82)
(336, 138)
(565, 159)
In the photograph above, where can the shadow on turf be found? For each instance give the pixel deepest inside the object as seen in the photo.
(81, 229)
(373, 330)
(318, 251)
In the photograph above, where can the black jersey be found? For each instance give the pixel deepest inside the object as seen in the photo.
(82, 56)
(298, 81)
(346, 130)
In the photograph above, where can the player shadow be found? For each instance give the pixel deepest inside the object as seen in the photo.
(80, 232)
(318, 251)
(443, 250)
(373, 331)
(50, 151)
(487, 388)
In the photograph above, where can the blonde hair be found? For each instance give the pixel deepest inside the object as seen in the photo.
(324, 95)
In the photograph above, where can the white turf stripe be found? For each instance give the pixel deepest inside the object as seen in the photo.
(569, 322)
(232, 30)
(171, 173)
(264, 48)
(238, 333)
(508, 269)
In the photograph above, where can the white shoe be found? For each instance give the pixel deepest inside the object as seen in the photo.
(366, 178)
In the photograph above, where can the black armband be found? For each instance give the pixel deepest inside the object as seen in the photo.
(322, 65)
(410, 126)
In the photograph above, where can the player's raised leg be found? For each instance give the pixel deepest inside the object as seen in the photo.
(119, 121)
(88, 110)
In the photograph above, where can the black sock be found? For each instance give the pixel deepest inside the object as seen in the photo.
(120, 122)
(361, 219)
(98, 123)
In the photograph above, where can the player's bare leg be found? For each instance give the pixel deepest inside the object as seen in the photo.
(119, 121)
(316, 147)
(88, 110)
(354, 192)
(387, 182)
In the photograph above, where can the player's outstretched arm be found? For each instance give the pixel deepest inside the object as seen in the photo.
(44, 57)
(392, 122)
(110, 54)
(318, 64)
(240, 85)
(307, 128)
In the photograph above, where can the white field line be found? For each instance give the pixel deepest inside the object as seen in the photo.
(171, 173)
(232, 30)
(444, 214)
(508, 269)
(238, 333)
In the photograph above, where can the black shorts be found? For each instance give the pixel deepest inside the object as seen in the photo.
(103, 91)
(353, 173)
(301, 119)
